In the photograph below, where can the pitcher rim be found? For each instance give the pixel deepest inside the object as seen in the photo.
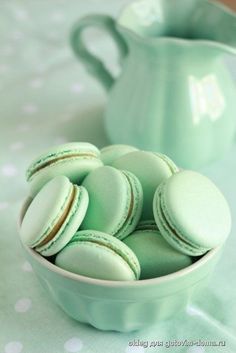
(182, 41)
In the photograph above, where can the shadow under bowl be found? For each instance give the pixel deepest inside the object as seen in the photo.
(122, 305)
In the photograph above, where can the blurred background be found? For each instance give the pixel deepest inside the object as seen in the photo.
(47, 98)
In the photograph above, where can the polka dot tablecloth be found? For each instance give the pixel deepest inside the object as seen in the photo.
(46, 98)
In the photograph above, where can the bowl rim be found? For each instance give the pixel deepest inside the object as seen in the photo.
(110, 283)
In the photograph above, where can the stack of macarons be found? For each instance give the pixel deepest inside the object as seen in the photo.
(120, 213)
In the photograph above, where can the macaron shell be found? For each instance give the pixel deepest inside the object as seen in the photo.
(61, 151)
(99, 255)
(150, 169)
(95, 261)
(173, 167)
(110, 153)
(196, 210)
(76, 169)
(155, 255)
(70, 225)
(112, 243)
(45, 210)
(74, 160)
(110, 199)
(136, 206)
(24, 207)
(172, 236)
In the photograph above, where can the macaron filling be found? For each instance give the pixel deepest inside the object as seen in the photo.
(172, 232)
(74, 215)
(52, 159)
(46, 229)
(131, 203)
(147, 225)
(131, 210)
(102, 241)
(61, 220)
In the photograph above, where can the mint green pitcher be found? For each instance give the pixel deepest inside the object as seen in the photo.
(174, 94)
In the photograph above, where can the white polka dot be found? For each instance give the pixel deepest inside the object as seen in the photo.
(36, 82)
(3, 68)
(9, 170)
(13, 347)
(27, 267)
(3, 205)
(17, 146)
(17, 35)
(196, 350)
(73, 345)
(58, 17)
(24, 127)
(133, 349)
(23, 305)
(21, 14)
(40, 68)
(76, 88)
(30, 108)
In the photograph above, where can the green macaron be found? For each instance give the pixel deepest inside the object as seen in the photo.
(99, 255)
(74, 160)
(191, 213)
(24, 207)
(110, 153)
(54, 215)
(115, 201)
(156, 257)
(151, 169)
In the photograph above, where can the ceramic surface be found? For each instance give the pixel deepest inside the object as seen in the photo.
(174, 94)
(120, 305)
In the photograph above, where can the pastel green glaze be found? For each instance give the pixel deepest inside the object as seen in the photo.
(174, 94)
(122, 305)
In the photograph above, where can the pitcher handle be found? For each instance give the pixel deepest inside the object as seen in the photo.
(91, 62)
